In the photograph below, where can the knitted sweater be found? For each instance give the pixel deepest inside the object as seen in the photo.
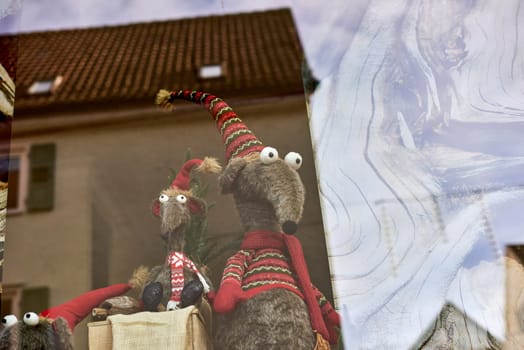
(260, 270)
(265, 262)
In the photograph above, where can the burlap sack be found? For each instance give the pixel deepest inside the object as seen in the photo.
(188, 329)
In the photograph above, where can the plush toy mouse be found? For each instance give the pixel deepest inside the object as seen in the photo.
(266, 299)
(53, 328)
(178, 282)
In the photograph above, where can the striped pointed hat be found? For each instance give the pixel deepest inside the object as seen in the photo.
(238, 139)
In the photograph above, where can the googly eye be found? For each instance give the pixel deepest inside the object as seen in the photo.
(268, 155)
(294, 160)
(31, 319)
(163, 198)
(9, 320)
(181, 198)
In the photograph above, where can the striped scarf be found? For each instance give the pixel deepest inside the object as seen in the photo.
(178, 261)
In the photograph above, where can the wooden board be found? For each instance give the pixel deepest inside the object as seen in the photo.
(418, 137)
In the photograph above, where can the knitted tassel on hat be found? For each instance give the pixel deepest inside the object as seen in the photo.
(238, 139)
(183, 178)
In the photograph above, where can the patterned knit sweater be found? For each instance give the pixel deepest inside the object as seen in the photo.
(260, 270)
(265, 262)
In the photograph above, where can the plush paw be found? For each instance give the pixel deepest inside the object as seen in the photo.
(227, 297)
(191, 293)
(171, 305)
(116, 305)
(152, 296)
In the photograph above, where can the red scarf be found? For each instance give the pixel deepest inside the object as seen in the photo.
(268, 239)
(178, 261)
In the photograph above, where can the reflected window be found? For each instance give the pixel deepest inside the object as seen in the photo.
(46, 86)
(14, 172)
(210, 71)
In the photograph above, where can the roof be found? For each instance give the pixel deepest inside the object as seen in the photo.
(259, 52)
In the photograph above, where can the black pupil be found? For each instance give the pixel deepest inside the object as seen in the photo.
(297, 161)
(270, 154)
(4, 320)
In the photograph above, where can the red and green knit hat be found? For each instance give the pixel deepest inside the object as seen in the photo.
(238, 139)
(182, 180)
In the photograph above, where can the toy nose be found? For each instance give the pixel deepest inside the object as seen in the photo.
(289, 227)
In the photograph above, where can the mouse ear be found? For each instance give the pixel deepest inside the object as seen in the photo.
(155, 208)
(227, 179)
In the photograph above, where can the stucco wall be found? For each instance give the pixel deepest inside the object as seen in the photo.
(53, 249)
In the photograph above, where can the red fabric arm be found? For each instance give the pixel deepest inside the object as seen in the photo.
(230, 290)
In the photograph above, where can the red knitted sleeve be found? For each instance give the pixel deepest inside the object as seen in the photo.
(230, 290)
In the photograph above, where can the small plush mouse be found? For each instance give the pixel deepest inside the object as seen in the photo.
(179, 282)
(53, 328)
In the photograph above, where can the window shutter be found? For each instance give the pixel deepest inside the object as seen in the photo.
(41, 177)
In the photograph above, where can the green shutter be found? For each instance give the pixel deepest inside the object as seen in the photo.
(41, 177)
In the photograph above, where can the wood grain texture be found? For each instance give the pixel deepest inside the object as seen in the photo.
(418, 145)
(454, 330)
